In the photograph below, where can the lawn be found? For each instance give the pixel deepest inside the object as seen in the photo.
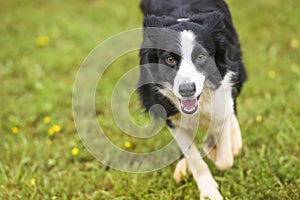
(43, 44)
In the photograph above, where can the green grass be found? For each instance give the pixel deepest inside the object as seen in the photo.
(37, 82)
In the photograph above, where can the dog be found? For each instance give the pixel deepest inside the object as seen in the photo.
(191, 65)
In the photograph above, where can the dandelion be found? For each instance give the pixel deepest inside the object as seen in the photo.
(75, 151)
(51, 131)
(15, 130)
(42, 41)
(47, 119)
(294, 43)
(56, 128)
(127, 145)
(272, 74)
(33, 181)
(258, 118)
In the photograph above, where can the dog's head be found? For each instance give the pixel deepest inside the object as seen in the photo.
(185, 50)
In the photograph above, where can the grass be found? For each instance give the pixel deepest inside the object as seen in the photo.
(37, 81)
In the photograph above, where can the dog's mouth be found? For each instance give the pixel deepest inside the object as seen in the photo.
(189, 106)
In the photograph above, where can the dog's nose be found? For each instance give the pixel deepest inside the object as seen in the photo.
(187, 89)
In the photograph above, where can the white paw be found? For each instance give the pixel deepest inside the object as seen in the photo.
(236, 137)
(180, 170)
(208, 189)
(224, 162)
(236, 146)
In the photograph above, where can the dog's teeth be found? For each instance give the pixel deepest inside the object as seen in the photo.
(189, 110)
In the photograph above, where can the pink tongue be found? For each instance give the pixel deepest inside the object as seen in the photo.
(189, 104)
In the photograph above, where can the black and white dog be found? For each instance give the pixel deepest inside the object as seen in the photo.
(191, 65)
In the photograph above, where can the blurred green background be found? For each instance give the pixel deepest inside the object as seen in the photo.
(43, 44)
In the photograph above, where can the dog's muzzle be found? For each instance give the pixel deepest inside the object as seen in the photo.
(189, 103)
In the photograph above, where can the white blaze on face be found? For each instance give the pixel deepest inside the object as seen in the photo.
(187, 72)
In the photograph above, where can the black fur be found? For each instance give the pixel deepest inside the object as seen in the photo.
(218, 36)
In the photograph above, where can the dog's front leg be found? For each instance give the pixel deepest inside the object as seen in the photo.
(224, 154)
(218, 144)
(200, 171)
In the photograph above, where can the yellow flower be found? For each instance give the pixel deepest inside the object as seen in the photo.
(294, 43)
(258, 118)
(127, 145)
(56, 128)
(47, 119)
(15, 130)
(49, 143)
(75, 151)
(33, 181)
(272, 74)
(42, 41)
(51, 131)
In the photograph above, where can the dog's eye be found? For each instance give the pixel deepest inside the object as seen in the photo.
(170, 60)
(201, 58)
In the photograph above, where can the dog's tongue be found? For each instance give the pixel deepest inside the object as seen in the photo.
(189, 106)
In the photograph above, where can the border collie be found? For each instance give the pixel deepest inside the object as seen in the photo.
(191, 65)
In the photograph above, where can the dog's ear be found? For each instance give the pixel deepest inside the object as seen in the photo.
(151, 34)
(159, 21)
(213, 20)
(156, 26)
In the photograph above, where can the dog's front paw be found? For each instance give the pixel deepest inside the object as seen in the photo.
(236, 137)
(223, 162)
(180, 170)
(208, 188)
